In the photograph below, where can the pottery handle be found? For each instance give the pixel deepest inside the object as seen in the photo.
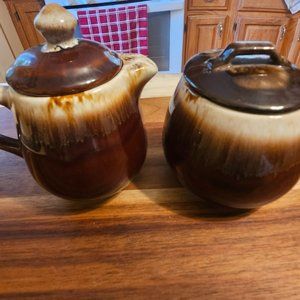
(7, 143)
(249, 48)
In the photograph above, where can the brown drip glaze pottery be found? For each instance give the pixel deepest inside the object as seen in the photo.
(75, 104)
(232, 131)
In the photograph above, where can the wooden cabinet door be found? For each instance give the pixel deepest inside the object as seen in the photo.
(23, 14)
(208, 4)
(204, 33)
(294, 53)
(267, 28)
(262, 5)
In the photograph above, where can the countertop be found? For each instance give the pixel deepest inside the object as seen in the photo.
(161, 85)
(154, 240)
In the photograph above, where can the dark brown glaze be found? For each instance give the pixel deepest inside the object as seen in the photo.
(84, 164)
(68, 71)
(89, 144)
(246, 76)
(81, 133)
(97, 167)
(235, 174)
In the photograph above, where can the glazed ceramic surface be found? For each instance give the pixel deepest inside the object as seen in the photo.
(235, 157)
(87, 144)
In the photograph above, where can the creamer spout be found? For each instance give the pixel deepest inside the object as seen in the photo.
(141, 68)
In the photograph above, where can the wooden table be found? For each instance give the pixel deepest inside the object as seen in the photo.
(154, 240)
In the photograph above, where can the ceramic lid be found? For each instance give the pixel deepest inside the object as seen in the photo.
(63, 65)
(246, 76)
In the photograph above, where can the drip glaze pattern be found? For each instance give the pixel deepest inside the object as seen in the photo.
(238, 159)
(89, 144)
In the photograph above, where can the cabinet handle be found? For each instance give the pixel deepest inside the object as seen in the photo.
(220, 29)
(282, 32)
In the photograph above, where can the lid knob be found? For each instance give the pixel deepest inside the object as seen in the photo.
(57, 25)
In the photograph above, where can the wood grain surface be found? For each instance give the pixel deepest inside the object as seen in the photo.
(154, 240)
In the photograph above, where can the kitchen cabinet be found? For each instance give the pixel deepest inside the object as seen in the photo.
(294, 52)
(261, 29)
(208, 4)
(205, 33)
(23, 14)
(262, 5)
(216, 23)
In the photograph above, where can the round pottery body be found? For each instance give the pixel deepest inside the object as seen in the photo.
(238, 159)
(90, 144)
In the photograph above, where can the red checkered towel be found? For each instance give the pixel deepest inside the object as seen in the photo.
(123, 29)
